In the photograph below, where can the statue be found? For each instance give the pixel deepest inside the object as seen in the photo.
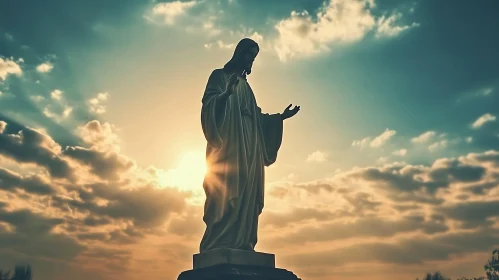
(241, 141)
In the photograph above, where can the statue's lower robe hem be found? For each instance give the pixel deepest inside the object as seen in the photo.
(237, 272)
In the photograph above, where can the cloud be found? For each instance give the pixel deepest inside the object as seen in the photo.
(377, 142)
(3, 125)
(442, 144)
(36, 147)
(424, 137)
(64, 114)
(362, 227)
(483, 120)
(317, 156)
(9, 67)
(102, 136)
(409, 250)
(109, 222)
(172, 10)
(45, 67)
(384, 212)
(386, 27)
(56, 94)
(297, 215)
(32, 183)
(81, 205)
(336, 22)
(223, 45)
(487, 91)
(401, 152)
(106, 165)
(36, 228)
(362, 143)
(383, 138)
(95, 104)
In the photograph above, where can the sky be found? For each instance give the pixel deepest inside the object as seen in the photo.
(390, 169)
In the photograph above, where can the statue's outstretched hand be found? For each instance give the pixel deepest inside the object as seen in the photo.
(287, 113)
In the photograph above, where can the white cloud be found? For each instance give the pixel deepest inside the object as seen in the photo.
(317, 156)
(3, 125)
(56, 94)
(362, 143)
(66, 112)
(377, 142)
(381, 139)
(9, 67)
(401, 152)
(337, 22)
(387, 27)
(438, 145)
(223, 45)
(172, 10)
(257, 37)
(469, 139)
(423, 138)
(102, 136)
(487, 91)
(9, 37)
(483, 119)
(37, 98)
(95, 104)
(45, 67)
(382, 160)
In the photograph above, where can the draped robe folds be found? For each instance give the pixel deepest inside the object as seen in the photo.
(241, 140)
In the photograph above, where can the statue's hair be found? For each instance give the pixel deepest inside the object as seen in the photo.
(243, 46)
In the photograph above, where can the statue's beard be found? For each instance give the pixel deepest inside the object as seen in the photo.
(245, 67)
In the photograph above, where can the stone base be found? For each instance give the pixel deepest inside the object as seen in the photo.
(237, 272)
(233, 256)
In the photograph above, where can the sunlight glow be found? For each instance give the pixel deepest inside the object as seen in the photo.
(189, 173)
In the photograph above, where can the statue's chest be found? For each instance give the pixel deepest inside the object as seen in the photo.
(245, 98)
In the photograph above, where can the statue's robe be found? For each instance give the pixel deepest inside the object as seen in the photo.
(241, 141)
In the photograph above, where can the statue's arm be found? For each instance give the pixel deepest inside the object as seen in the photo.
(267, 114)
(215, 105)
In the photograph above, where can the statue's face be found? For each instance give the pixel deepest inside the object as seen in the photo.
(249, 57)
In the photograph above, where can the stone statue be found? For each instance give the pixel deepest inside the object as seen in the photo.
(241, 141)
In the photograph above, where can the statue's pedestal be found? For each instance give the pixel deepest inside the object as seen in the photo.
(231, 264)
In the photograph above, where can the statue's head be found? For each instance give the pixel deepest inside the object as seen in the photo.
(244, 55)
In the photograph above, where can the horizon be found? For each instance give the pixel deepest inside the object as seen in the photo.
(392, 162)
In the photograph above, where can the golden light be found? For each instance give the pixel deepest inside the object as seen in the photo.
(189, 173)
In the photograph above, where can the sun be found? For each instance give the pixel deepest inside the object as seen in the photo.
(188, 174)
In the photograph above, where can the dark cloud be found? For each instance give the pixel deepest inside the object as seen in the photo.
(454, 170)
(472, 214)
(31, 146)
(96, 221)
(313, 188)
(36, 229)
(362, 227)
(107, 165)
(298, 215)
(488, 156)
(189, 225)
(362, 203)
(406, 251)
(145, 206)
(31, 184)
(109, 261)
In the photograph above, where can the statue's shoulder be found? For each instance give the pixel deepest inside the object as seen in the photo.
(218, 73)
